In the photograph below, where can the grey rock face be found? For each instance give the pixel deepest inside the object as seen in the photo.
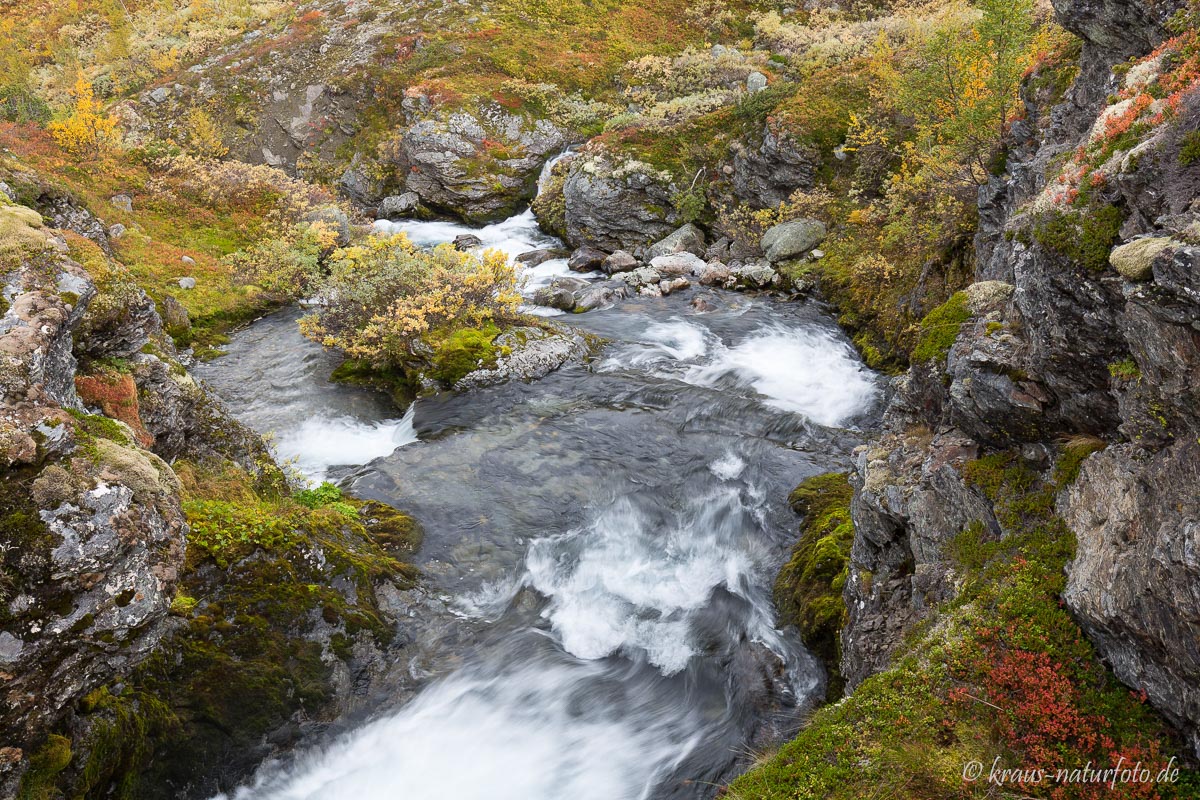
(792, 239)
(688, 239)
(1133, 582)
(766, 173)
(1121, 28)
(613, 206)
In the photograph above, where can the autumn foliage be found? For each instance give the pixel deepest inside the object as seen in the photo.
(87, 131)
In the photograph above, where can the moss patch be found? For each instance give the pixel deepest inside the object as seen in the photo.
(940, 327)
(808, 590)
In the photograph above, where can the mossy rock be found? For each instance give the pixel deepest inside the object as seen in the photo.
(940, 327)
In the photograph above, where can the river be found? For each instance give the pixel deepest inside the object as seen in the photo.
(605, 538)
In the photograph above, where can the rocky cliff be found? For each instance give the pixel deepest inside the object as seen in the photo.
(1081, 336)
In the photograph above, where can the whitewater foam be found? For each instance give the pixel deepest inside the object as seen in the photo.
(322, 442)
(801, 370)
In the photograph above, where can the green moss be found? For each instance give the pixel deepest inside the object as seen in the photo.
(461, 352)
(389, 380)
(808, 590)
(1085, 238)
(940, 328)
(45, 764)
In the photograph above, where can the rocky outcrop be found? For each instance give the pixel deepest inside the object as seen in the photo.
(767, 172)
(533, 353)
(91, 528)
(1061, 341)
(480, 166)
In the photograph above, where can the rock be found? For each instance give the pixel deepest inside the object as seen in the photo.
(767, 172)
(688, 239)
(64, 211)
(174, 316)
(754, 275)
(397, 206)
(534, 353)
(673, 266)
(619, 261)
(122, 201)
(701, 306)
(467, 241)
(600, 295)
(480, 166)
(8, 191)
(1135, 260)
(715, 274)
(560, 293)
(650, 290)
(187, 283)
(673, 285)
(160, 95)
(586, 259)
(756, 82)
(356, 185)
(616, 205)
(188, 260)
(116, 231)
(792, 239)
(537, 257)
(643, 276)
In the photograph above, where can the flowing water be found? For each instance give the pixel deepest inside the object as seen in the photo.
(605, 540)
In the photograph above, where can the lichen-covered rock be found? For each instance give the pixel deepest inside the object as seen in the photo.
(1135, 260)
(477, 166)
(616, 205)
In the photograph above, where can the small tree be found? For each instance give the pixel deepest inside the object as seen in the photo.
(87, 130)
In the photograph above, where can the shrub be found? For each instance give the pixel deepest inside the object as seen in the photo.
(1085, 238)
(385, 296)
(287, 266)
(87, 130)
(1189, 149)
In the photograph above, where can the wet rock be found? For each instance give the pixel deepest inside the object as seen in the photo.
(715, 274)
(600, 295)
(467, 241)
(688, 239)
(754, 275)
(792, 239)
(586, 259)
(560, 293)
(666, 287)
(643, 276)
(537, 257)
(702, 306)
(398, 206)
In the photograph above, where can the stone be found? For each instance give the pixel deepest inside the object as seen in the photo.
(792, 239)
(123, 202)
(174, 315)
(756, 82)
(754, 275)
(160, 95)
(467, 241)
(187, 283)
(397, 206)
(673, 285)
(715, 274)
(688, 239)
(615, 204)
(586, 259)
(600, 295)
(643, 276)
(619, 261)
(188, 260)
(116, 231)
(334, 218)
(535, 258)
(678, 264)
(1135, 260)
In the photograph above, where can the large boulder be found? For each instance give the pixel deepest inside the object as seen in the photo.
(767, 172)
(616, 204)
(477, 166)
(792, 239)
(398, 205)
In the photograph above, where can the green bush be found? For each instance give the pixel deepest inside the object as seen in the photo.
(1086, 238)
(1189, 149)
